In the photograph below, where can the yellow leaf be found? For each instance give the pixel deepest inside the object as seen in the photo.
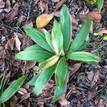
(49, 62)
(105, 37)
(43, 20)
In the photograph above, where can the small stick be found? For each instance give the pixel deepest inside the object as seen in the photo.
(59, 4)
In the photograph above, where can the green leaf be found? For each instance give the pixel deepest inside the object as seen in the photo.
(84, 57)
(37, 37)
(57, 38)
(84, 46)
(49, 62)
(33, 53)
(43, 79)
(61, 72)
(3, 82)
(59, 91)
(65, 26)
(12, 89)
(33, 80)
(81, 36)
(100, 4)
(34, 47)
(48, 38)
(90, 3)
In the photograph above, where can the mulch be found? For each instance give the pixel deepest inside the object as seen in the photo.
(87, 86)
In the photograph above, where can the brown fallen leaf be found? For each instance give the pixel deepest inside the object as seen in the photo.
(10, 44)
(74, 68)
(13, 43)
(12, 13)
(17, 43)
(63, 102)
(8, 5)
(29, 64)
(93, 77)
(95, 16)
(2, 4)
(43, 20)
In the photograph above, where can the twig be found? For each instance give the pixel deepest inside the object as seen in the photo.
(100, 47)
(59, 4)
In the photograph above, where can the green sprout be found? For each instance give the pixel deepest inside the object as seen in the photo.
(6, 94)
(53, 51)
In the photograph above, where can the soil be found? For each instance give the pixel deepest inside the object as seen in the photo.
(87, 86)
